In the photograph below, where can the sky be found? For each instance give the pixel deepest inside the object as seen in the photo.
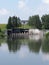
(22, 9)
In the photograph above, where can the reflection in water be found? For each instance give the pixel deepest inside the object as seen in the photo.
(31, 50)
(35, 46)
(35, 37)
(23, 52)
(4, 47)
(45, 45)
(13, 44)
(45, 57)
(2, 41)
(34, 43)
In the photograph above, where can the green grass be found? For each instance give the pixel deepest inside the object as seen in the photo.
(3, 26)
(25, 26)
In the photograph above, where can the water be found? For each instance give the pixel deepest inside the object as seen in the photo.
(33, 50)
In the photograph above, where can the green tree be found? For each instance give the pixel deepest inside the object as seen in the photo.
(9, 25)
(45, 21)
(13, 22)
(35, 22)
(0, 30)
(18, 21)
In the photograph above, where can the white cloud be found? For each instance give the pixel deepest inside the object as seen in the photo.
(24, 8)
(41, 10)
(4, 11)
(27, 11)
(21, 4)
(46, 1)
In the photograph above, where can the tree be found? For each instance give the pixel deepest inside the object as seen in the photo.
(35, 22)
(18, 21)
(9, 25)
(0, 30)
(45, 21)
(13, 22)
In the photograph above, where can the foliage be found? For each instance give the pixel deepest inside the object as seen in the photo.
(47, 34)
(45, 21)
(18, 22)
(0, 30)
(13, 22)
(9, 23)
(1, 33)
(35, 22)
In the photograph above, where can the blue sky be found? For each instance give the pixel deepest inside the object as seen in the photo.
(22, 8)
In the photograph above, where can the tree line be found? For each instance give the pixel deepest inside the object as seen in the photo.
(13, 22)
(33, 21)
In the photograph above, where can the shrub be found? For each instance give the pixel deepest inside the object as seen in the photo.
(47, 34)
(0, 29)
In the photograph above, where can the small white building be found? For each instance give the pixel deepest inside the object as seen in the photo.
(24, 21)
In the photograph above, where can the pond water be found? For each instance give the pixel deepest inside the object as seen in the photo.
(31, 50)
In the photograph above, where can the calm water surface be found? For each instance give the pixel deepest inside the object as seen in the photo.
(31, 50)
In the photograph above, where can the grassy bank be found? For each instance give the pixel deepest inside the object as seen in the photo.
(25, 26)
(3, 26)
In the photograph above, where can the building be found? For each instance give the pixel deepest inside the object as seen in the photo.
(24, 21)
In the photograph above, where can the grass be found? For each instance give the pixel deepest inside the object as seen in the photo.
(25, 26)
(3, 26)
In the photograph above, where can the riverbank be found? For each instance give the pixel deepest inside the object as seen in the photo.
(26, 26)
(3, 26)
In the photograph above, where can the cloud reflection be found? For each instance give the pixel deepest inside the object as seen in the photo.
(35, 37)
(23, 53)
(4, 47)
(45, 57)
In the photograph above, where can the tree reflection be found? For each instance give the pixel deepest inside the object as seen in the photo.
(13, 44)
(45, 45)
(2, 40)
(35, 46)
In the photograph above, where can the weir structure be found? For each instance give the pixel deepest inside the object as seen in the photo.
(17, 32)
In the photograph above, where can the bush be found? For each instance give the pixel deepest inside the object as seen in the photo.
(47, 34)
(0, 30)
(2, 35)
